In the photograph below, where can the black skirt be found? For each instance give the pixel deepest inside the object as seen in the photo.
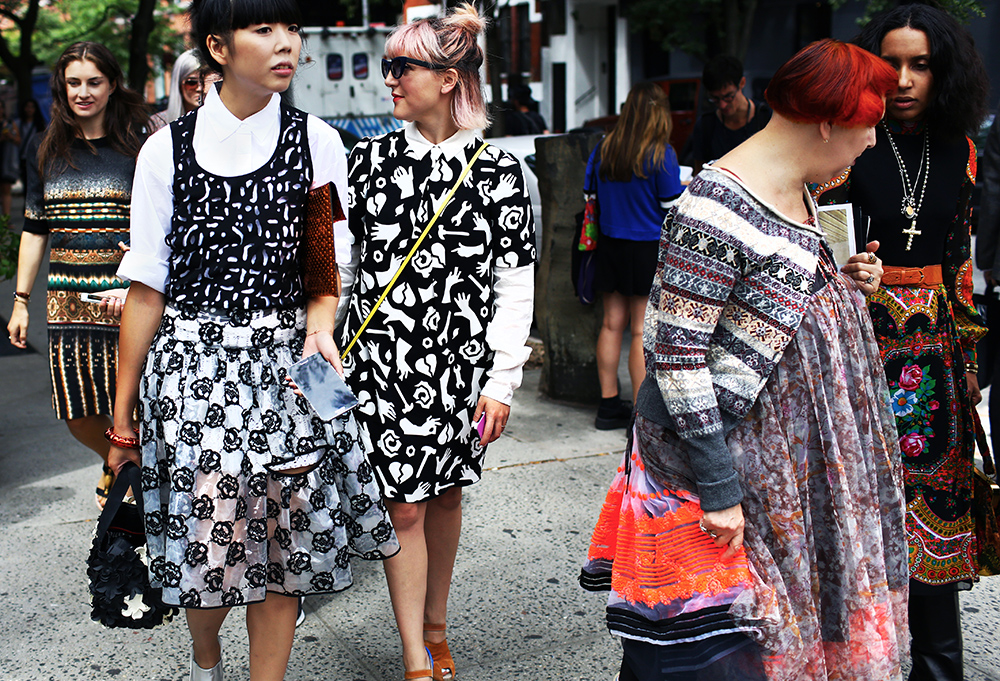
(624, 266)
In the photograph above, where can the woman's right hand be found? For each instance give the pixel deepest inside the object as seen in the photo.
(117, 457)
(17, 329)
(725, 527)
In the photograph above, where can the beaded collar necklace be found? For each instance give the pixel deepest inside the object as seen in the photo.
(910, 207)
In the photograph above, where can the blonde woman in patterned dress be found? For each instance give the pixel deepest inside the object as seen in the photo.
(446, 347)
(77, 205)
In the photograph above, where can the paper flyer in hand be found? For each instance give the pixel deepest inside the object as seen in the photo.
(837, 222)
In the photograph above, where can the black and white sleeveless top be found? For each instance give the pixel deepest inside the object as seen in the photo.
(234, 241)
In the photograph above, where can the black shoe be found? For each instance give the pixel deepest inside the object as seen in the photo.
(613, 413)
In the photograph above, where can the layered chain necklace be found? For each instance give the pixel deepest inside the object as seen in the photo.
(910, 207)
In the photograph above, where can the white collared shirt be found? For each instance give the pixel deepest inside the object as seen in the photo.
(227, 146)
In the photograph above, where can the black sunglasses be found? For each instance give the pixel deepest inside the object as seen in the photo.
(397, 66)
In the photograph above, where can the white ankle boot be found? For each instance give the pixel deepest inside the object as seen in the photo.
(199, 674)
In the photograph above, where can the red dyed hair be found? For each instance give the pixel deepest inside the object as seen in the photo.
(832, 81)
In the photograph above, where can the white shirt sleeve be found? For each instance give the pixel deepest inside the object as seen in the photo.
(329, 159)
(151, 214)
(507, 333)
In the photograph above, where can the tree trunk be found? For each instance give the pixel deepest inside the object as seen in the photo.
(138, 59)
(493, 64)
(568, 329)
(743, 46)
(21, 65)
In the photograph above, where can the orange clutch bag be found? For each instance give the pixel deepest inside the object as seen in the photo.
(319, 258)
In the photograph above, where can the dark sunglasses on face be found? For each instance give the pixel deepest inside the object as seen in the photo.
(397, 66)
(191, 83)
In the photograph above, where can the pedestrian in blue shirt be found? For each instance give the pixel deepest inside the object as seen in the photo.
(635, 177)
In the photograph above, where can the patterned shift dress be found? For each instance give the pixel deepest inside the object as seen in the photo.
(926, 336)
(84, 210)
(420, 365)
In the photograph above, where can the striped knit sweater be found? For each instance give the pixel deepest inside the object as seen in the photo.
(732, 284)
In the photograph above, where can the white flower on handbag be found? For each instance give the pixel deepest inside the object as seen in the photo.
(134, 607)
(143, 556)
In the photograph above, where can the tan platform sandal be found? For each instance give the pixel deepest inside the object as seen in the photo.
(444, 665)
(421, 673)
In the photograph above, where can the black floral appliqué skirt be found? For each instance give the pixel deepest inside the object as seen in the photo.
(224, 525)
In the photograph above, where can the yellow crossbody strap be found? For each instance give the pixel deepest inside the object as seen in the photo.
(416, 245)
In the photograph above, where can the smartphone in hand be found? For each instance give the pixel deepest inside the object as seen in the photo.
(322, 386)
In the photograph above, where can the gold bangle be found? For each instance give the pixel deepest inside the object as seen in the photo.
(971, 368)
(20, 297)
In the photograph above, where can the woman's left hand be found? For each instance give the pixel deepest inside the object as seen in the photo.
(323, 343)
(497, 414)
(113, 301)
(972, 380)
(865, 269)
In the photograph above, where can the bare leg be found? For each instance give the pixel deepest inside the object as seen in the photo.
(271, 627)
(636, 362)
(204, 626)
(89, 431)
(609, 341)
(406, 575)
(442, 527)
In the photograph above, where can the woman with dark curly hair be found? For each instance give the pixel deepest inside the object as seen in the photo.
(912, 191)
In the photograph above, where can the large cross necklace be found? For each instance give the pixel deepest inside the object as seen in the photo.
(910, 207)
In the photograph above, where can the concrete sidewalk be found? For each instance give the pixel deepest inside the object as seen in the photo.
(516, 608)
(517, 611)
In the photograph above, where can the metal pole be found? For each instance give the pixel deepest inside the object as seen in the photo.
(364, 14)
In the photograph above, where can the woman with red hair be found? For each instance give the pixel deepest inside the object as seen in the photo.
(914, 191)
(755, 527)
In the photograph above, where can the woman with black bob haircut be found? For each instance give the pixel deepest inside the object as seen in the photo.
(912, 192)
(250, 497)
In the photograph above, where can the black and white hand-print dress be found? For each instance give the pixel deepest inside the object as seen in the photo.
(219, 424)
(421, 363)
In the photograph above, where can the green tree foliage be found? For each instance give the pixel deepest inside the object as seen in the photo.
(963, 10)
(706, 27)
(118, 24)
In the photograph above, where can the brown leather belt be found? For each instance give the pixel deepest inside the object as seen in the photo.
(924, 277)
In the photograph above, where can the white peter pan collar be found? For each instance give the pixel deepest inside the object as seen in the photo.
(263, 125)
(453, 147)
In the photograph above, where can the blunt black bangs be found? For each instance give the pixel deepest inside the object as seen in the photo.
(250, 12)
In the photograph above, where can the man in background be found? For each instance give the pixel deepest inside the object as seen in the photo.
(735, 118)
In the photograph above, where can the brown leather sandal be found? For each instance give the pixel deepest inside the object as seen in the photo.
(421, 673)
(444, 665)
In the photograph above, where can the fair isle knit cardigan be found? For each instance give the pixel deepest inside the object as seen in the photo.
(732, 284)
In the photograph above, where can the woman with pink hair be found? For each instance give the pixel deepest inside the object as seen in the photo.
(437, 363)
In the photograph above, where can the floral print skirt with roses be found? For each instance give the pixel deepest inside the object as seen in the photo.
(224, 525)
(918, 341)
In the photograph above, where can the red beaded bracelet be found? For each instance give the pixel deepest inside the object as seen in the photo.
(121, 441)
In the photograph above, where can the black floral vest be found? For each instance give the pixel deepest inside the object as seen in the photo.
(234, 241)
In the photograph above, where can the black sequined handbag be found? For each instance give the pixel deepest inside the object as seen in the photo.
(119, 579)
